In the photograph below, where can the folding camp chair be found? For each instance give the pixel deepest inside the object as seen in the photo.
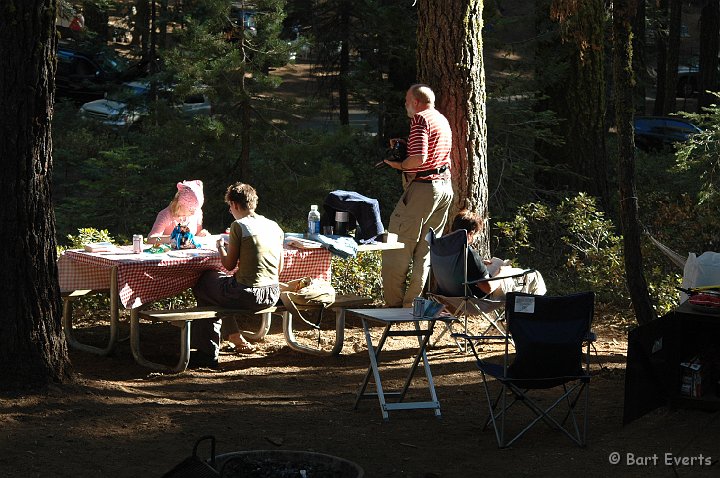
(552, 343)
(450, 287)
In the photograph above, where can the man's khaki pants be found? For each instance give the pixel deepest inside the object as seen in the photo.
(422, 206)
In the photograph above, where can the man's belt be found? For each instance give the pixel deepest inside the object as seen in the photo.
(430, 172)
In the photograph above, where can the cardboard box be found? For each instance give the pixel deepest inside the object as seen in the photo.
(693, 373)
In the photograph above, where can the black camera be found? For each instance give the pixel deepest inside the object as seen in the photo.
(398, 151)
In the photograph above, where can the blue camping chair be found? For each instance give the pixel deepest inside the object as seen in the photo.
(552, 343)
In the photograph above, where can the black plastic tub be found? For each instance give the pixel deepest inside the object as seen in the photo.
(285, 464)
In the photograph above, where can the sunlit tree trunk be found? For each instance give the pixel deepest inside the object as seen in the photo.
(450, 61)
(623, 14)
(33, 351)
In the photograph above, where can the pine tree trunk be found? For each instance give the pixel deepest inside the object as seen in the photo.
(586, 128)
(673, 56)
(709, 29)
(33, 351)
(96, 20)
(141, 31)
(344, 64)
(623, 13)
(571, 77)
(638, 59)
(450, 61)
(661, 51)
(163, 24)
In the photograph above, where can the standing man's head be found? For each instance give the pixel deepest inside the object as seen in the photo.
(242, 196)
(418, 98)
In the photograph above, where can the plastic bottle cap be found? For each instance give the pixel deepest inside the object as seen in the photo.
(314, 206)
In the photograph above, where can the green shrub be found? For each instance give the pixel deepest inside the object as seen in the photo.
(360, 275)
(87, 235)
(576, 247)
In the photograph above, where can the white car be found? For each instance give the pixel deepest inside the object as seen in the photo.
(128, 104)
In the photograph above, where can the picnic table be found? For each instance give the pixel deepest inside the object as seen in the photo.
(133, 280)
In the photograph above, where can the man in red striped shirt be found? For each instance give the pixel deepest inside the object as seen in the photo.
(425, 201)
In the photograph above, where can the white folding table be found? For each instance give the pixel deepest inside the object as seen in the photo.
(422, 329)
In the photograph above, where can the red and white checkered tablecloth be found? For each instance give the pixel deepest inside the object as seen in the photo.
(144, 278)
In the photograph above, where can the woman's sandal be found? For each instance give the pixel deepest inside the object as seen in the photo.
(242, 346)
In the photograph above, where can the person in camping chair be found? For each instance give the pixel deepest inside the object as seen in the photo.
(478, 268)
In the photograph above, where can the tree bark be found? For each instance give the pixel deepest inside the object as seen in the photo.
(343, 73)
(141, 30)
(571, 77)
(623, 15)
(661, 24)
(450, 61)
(33, 351)
(709, 30)
(96, 20)
(638, 58)
(673, 56)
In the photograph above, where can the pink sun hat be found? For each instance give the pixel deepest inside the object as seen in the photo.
(190, 194)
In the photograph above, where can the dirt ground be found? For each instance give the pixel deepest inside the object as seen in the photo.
(119, 419)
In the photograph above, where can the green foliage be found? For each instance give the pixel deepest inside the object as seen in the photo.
(700, 157)
(87, 306)
(576, 247)
(359, 275)
(304, 173)
(678, 203)
(514, 128)
(573, 245)
(121, 181)
(87, 235)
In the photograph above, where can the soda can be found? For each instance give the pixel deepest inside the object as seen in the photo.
(137, 243)
(418, 306)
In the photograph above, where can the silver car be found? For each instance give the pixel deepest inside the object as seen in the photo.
(129, 104)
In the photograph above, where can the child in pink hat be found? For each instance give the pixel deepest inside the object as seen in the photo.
(185, 208)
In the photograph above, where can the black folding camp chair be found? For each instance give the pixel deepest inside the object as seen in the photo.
(449, 286)
(552, 343)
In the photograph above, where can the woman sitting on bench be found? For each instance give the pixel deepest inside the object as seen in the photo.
(255, 247)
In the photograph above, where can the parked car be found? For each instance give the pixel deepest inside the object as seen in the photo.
(654, 133)
(129, 104)
(688, 81)
(86, 72)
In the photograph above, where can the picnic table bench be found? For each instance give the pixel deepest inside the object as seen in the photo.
(184, 317)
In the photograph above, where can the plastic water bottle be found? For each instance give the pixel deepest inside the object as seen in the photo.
(314, 220)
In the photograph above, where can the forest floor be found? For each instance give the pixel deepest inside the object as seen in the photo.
(121, 420)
